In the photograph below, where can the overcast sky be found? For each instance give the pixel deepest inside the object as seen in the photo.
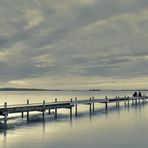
(74, 44)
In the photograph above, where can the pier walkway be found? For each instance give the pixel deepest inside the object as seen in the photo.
(6, 109)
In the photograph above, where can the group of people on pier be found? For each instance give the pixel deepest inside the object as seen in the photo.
(137, 94)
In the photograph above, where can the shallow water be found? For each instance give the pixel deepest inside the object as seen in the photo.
(116, 128)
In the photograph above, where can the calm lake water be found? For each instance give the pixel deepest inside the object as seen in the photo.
(117, 128)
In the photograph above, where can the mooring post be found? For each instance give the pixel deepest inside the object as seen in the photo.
(116, 101)
(49, 112)
(106, 102)
(44, 108)
(139, 100)
(128, 100)
(93, 104)
(22, 114)
(71, 109)
(5, 115)
(125, 101)
(76, 107)
(56, 109)
(27, 111)
(136, 101)
(90, 106)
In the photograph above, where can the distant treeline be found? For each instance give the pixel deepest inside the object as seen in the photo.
(35, 89)
(22, 89)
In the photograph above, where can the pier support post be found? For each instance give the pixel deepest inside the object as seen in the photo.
(27, 112)
(22, 114)
(90, 107)
(128, 101)
(55, 109)
(125, 102)
(93, 104)
(106, 102)
(44, 108)
(136, 101)
(49, 112)
(76, 107)
(5, 115)
(116, 101)
(139, 101)
(71, 109)
(70, 112)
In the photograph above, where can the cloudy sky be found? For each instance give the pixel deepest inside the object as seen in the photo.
(74, 44)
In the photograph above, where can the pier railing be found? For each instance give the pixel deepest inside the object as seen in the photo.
(6, 109)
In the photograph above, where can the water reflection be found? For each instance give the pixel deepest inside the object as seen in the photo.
(20, 122)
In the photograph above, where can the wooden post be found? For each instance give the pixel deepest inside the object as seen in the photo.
(93, 104)
(136, 101)
(125, 102)
(5, 115)
(70, 112)
(44, 108)
(55, 109)
(76, 107)
(139, 100)
(71, 109)
(22, 114)
(128, 101)
(106, 102)
(70, 100)
(90, 106)
(27, 112)
(116, 101)
(49, 112)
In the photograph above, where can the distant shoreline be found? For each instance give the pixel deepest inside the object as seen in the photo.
(35, 89)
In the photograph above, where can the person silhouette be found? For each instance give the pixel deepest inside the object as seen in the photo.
(139, 94)
(135, 94)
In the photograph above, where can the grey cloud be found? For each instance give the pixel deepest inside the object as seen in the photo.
(107, 38)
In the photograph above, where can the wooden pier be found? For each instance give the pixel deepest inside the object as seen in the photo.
(6, 109)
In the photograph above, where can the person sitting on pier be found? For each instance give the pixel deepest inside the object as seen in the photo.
(135, 94)
(139, 94)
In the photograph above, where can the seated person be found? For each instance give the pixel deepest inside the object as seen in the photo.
(139, 94)
(135, 94)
